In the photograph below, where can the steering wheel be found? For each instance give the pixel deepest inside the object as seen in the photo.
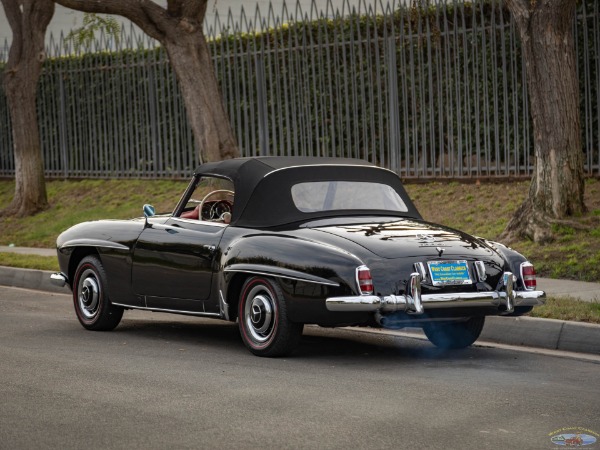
(210, 194)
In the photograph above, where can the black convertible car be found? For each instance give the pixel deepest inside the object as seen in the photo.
(276, 242)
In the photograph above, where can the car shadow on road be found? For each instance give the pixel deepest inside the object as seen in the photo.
(317, 343)
(183, 330)
(320, 342)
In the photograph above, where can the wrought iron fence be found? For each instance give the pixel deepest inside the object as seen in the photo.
(427, 91)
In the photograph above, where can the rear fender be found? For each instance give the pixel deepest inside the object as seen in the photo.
(308, 271)
(512, 258)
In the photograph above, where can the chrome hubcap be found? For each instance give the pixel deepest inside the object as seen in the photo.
(89, 294)
(259, 314)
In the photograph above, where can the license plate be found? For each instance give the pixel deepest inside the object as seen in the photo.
(444, 273)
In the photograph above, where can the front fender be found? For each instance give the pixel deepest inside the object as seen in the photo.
(112, 241)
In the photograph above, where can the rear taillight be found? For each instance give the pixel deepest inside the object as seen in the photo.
(364, 280)
(528, 276)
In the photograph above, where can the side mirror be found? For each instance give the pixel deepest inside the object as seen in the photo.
(149, 211)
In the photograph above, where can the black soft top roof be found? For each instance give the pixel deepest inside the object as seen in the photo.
(263, 186)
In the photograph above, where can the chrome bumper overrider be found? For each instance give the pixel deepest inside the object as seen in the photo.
(415, 303)
(58, 279)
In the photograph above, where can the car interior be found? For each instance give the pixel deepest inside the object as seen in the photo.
(211, 201)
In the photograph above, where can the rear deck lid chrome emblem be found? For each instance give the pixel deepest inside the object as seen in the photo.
(426, 238)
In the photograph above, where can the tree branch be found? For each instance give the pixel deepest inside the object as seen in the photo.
(14, 16)
(28, 27)
(195, 9)
(38, 17)
(13, 13)
(188, 9)
(521, 12)
(150, 17)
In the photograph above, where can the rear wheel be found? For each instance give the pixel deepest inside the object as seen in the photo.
(454, 334)
(262, 317)
(90, 298)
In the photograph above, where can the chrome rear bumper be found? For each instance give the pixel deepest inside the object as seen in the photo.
(415, 303)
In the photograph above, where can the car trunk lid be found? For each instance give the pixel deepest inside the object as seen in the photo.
(411, 238)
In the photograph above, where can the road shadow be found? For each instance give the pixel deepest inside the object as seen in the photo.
(330, 344)
(188, 331)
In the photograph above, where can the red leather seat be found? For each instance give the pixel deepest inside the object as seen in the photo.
(193, 214)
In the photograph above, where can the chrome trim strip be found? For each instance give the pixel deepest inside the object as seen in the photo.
(325, 164)
(174, 311)
(58, 279)
(94, 243)
(223, 306)
(393, 303)
(199, 222)
(279, 275)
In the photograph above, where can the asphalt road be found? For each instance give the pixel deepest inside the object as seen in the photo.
(165, 381)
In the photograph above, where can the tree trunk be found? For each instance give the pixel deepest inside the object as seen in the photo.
(190, 59)
(30, 187)
(21, 74)
(557, 186)
(178, 27)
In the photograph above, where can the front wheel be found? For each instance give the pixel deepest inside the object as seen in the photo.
(90, 298)
(262, 317)
(452, 335)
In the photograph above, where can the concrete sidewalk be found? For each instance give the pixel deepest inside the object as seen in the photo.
(28, 250)
(580, 290)
(526, 331)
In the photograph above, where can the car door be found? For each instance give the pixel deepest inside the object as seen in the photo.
(173, 263)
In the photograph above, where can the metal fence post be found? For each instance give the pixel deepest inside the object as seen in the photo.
(62, 131)
(261, 93)
(393, 111)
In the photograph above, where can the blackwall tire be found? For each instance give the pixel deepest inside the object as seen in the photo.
(452, 335)
(262, 318)
(90, 297)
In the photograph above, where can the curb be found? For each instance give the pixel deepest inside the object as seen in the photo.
(551, 334)
(522, 331)
(29, 279)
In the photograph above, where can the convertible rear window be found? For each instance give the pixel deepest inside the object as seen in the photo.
(319, 196)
